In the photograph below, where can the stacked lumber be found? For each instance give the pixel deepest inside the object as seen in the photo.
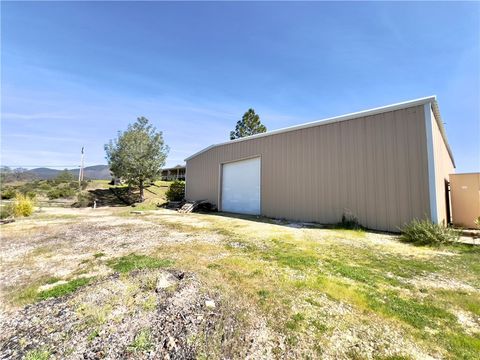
(175, 205)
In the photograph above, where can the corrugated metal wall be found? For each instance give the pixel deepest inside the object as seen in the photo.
(373, 166)
(443, 168)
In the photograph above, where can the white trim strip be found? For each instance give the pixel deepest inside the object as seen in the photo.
(431, 163)
(379, 110)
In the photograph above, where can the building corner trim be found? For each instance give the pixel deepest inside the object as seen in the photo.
(431, 163)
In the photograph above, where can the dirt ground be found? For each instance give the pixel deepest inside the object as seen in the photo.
(165, 285)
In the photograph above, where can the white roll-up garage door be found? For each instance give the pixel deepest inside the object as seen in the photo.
(241, 186)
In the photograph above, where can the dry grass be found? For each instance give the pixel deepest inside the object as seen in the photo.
(322, 292)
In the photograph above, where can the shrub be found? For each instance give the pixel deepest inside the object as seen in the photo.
(8, 193)
(349, 222)
(45, 186)
(6, 211)
(27, 187)
(424, 232)
(64, 177)
(176, 191)
(477, 222)
(61, 192)
(22, 205)
(31, 194)
(84, 200)
(84, 184)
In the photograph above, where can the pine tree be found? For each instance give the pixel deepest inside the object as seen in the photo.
(249, 125)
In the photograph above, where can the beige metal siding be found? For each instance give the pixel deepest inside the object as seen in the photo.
(465, 192)
(443, 168)
(373, 166)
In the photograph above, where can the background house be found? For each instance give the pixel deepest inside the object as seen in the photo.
(174, 173)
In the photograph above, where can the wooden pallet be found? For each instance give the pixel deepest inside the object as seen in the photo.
(190, 206)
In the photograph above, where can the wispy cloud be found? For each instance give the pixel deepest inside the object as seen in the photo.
(38, 116)
(44, 138)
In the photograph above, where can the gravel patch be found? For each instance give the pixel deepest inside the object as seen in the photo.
(102, 320)
(439, 282)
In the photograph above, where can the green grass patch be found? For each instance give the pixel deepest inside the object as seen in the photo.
(92, 335)
(131, 262)
(467, 301)
(142, 341)
(403, 267)
(263, 295)
(29, 293)
(290, 255)
(37, 354)
(63, 289)
(214, 266)
(295, 322)
(312, 302)
(356, 273)
(319, 326)
(462, 346)
(418, 314)
(150, 303)
(98, 255)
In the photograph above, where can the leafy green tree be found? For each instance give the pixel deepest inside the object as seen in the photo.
(138, 154)
(249, 125)
(64, 177)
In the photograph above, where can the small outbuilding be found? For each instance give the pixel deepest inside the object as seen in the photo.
(386, 166)
(465, 199)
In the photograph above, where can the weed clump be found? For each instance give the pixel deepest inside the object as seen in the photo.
(37, 354)
(61, 191)
(424, 232)
(349, 222)
(142, 341)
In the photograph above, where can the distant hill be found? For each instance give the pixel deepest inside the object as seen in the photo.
(96, 172)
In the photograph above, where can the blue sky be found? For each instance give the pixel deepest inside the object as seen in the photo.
(75, 73)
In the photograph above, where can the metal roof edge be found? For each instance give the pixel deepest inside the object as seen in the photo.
(466, 173)
(350, 116)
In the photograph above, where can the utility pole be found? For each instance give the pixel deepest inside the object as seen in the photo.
(82, 164)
